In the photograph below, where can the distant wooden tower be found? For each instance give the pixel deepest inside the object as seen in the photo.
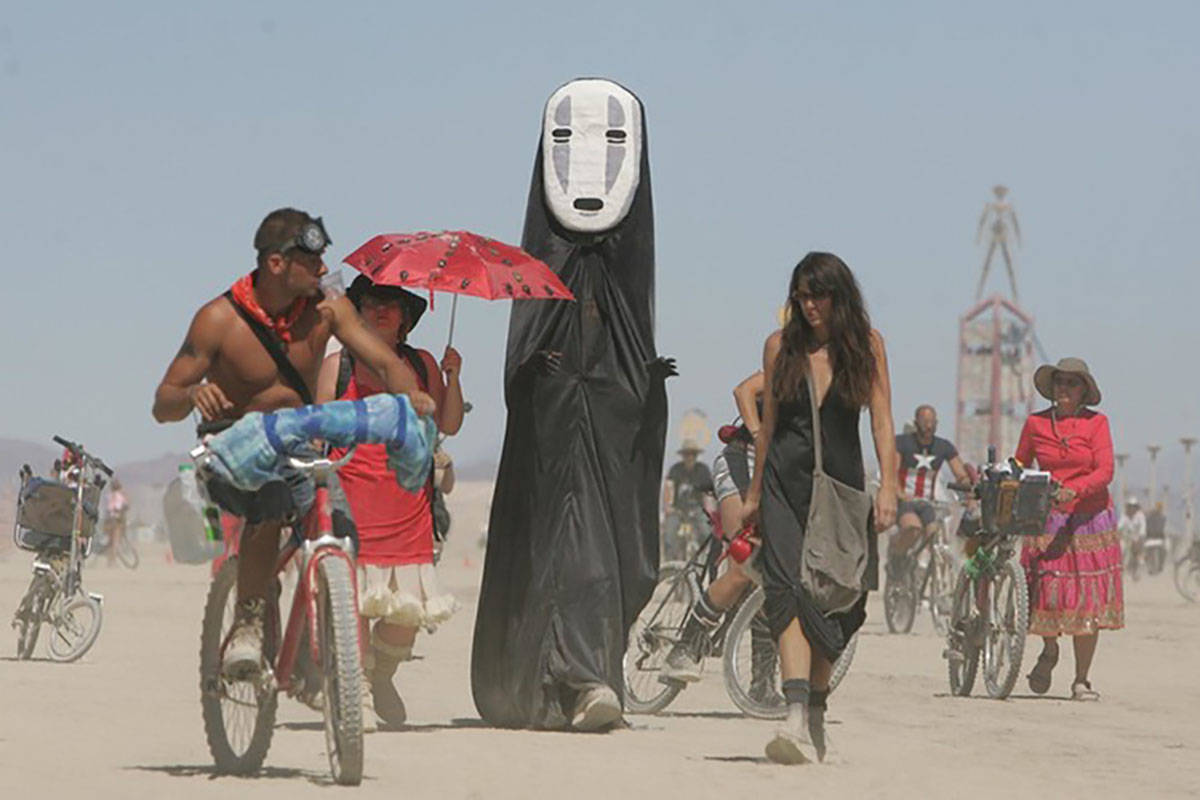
(996, 344)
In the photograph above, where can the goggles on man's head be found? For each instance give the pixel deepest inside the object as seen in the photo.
(311, 239)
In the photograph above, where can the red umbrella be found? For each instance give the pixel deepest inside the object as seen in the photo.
(459, 262)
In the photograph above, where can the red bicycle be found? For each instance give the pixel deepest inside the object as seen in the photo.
(239, 715)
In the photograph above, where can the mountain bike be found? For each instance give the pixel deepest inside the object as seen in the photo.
(56, 520)
(239, 715)
(741, 640)
(927, 577)
(990, 614)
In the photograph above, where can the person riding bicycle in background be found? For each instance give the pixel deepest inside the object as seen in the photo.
(259, 347)
(921, 455)
(688, 483)
(732, 470)
(115, 510)
(1132, 528)
(397, 582)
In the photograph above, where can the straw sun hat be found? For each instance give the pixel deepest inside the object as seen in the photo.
(1043, 379)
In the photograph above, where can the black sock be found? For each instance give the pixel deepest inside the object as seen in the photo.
(796, 690)
(817, 698)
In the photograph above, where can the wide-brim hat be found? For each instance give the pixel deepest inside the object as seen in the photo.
(1043, 379)
(690, 446)
(414, 304)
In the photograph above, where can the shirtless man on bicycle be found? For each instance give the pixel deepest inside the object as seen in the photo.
(224, 370)
(921, 456)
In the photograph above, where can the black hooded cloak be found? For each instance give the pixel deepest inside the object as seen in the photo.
(572, 554)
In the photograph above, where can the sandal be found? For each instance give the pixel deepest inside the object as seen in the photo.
(1039, 677)
(1082, 690)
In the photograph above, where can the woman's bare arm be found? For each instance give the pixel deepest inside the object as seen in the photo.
(766, 430)
(746, 395)
(883, 431)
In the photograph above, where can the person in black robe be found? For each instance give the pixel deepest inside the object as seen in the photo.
(573, 539)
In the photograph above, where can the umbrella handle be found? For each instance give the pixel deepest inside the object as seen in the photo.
(453, 313)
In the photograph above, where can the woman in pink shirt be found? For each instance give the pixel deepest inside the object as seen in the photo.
(1074, 568)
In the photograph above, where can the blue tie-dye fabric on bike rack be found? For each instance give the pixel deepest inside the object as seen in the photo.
(250, 453)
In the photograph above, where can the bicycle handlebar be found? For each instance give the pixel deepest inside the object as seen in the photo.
(960, 486)
(78, 450)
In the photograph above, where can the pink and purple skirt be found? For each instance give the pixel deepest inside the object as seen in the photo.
(1074, 575)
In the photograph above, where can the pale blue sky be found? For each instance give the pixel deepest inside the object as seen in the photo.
(140, 145)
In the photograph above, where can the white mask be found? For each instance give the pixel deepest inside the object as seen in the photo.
(591, 154)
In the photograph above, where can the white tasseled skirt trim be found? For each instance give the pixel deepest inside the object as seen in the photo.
(405, 595)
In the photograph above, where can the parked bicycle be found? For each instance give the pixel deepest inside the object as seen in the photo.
(56, 521)
(990, 613)
(928, 579)
(239, 715)
(742, 640)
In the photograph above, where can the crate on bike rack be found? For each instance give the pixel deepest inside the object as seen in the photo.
(1017, 505)
(46, 513)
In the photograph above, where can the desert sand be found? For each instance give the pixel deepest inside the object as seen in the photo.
(125, 720)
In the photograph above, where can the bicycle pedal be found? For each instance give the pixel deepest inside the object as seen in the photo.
(953, 655)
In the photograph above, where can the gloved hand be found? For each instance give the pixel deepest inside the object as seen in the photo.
(546, 362)
(662, 368)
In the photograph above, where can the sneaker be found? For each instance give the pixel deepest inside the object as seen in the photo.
(243, 658)
(597, 708)
(792, 743)
(1082, 690)
(682, 664)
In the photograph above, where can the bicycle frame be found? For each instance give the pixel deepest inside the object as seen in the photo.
(319, 544)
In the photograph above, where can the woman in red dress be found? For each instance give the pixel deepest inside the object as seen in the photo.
(1074, 568)
(397, 583)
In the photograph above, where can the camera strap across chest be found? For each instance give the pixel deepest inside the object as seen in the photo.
(274, 347)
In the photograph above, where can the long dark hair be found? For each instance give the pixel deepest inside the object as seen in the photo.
(850, 351)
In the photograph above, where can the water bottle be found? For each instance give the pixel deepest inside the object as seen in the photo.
(192, 494)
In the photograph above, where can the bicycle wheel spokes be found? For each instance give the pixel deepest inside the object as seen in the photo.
(962, 652)
(651, 638)
(1004, 645)
(75, 628)
(751, 662)
(239, 716)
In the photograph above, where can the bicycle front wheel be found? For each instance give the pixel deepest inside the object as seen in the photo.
(74, 628)
(239, 716)
(1187, 578)
(751, 662)
(341, 667)
(900, 601)
(651, 637)
(962, 650)
(1004, 644)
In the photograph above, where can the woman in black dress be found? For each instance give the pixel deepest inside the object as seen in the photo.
(827, 337)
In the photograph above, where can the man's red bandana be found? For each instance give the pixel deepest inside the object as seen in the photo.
(243, 294)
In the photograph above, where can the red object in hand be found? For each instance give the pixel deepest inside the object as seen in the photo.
(740, 547)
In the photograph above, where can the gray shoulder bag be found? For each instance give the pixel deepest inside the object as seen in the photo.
(833, 563)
